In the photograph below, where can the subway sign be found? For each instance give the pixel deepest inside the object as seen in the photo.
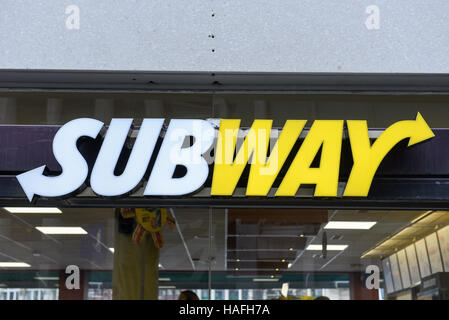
(188, 143)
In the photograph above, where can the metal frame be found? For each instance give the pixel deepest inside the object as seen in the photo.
(214, 82)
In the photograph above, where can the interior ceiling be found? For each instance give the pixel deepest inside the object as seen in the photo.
(419, 228)
(187, 248)
(266, 240)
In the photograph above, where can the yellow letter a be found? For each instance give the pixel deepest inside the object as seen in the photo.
(327, 133)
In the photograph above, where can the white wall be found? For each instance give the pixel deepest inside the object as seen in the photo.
(249, 36)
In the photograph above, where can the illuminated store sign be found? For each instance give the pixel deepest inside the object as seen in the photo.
(231, 157)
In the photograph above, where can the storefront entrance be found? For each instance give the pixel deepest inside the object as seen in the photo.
(349, 212)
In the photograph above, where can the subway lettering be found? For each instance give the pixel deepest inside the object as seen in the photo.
(232, 154)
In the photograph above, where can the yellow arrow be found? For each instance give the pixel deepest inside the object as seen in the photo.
(367, 157)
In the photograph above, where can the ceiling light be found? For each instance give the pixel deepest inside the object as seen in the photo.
(236, 269)
(291, 249)
(46, 278)
(32, 210)
(283, 260)
(329, 247)
(14, 265)
(265, 279)
(164, 279)
(356, 225)
(111, 249)
(167, 287)
(290, 265)
(62, 230)
(277, 269)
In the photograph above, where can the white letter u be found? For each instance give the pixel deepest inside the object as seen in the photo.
(103, 181)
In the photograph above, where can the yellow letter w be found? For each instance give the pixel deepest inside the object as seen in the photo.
(227, 171)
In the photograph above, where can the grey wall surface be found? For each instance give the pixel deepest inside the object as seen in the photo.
(248, 36)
